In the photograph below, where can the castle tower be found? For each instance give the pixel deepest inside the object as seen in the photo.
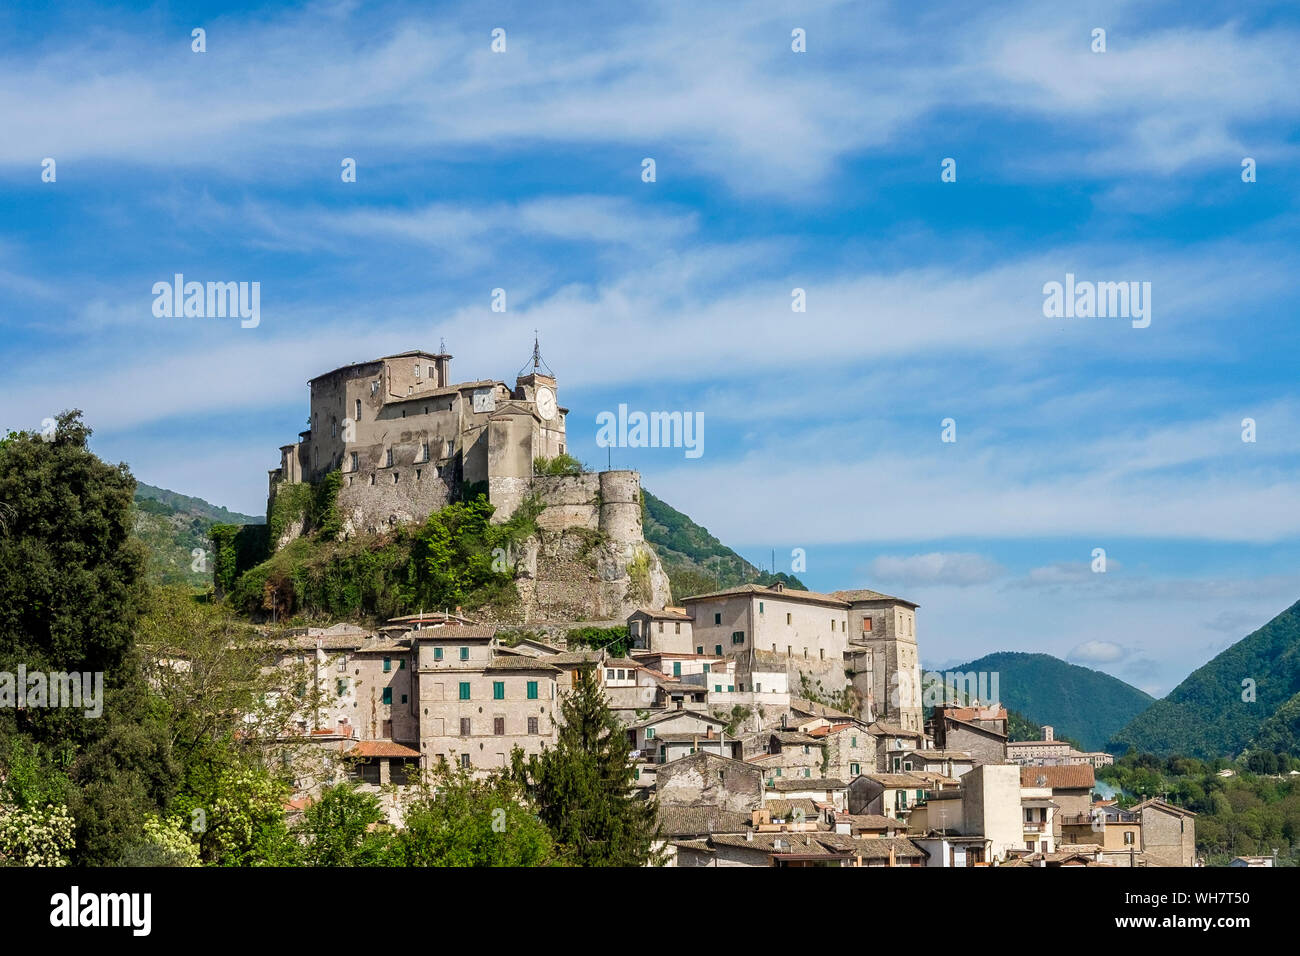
(884, 656)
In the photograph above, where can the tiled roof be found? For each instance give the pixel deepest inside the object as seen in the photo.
(865, 594)
(381, 748)
(663, 614)
(758, 590)
(1074, 776)
(901, 781)
(869, 821)
(516, 663)
(675, 821)
(782, 784)
(454, 632)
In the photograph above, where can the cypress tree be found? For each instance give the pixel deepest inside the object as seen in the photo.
(583, 788)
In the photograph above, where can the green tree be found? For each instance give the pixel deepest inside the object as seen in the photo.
(344, 827)
(583, 787)
(464, 821)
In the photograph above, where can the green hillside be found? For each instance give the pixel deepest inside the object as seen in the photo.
(1206, 717)
(1082, 704)
(696, 562)
(171, 526)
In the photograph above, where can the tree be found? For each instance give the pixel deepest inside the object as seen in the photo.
(464, 821)
(343, 828)
(583, 787)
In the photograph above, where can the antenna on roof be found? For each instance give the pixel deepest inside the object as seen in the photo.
(538, 363)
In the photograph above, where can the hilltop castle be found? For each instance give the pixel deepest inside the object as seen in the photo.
(406, 437)
(408, 441)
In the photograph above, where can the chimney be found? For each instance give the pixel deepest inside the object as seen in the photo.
(442, 362)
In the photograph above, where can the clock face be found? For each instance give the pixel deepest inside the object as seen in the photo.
(546, 402)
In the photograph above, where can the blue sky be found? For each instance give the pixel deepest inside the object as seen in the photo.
(775, 170)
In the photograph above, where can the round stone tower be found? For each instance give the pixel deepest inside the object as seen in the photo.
(620, 505)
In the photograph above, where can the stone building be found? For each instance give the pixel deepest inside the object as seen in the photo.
(1168, 833)
(1070, 785)
(883, 656)
(405, 436)
(801, 624)
(668, 629)
(476, 706)
(707, 779)
(978, 731)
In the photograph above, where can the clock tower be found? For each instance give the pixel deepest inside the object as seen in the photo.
(535, 385)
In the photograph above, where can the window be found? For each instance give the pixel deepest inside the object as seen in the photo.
(372, 479)
(678, 627)
(1128, 837)
(354, 461)
(417, 371)
(661, 627)
(855, 769)
(699, 650)
(677, 668)
(464, 760)
(532, 690)
(738, 637)
(717, 688)
(431, 373)
(388, 458)
(866, 625)
(706, 668)
(649, 733)
(717, 618)
(832, 626)
(498, 690)
(609, 673)
(805, 749)
(437, 653)
(464, 653)
(717, 649)
(464, 690)
(499, 726)
(532, 725)
(388, 695)
(807, 772)
(464, 727)
(403, 698)
(732, 687)
(357, 416)
(401, 664)
(853, 741)
(334, 427)
(395, 477)
(388, 664)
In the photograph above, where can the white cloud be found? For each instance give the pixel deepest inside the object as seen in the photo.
(943, 568)
(1097, 652)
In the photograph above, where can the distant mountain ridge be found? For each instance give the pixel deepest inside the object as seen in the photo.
(172, 526)
(696, 561)
(1078, 702)
(1210, 714)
